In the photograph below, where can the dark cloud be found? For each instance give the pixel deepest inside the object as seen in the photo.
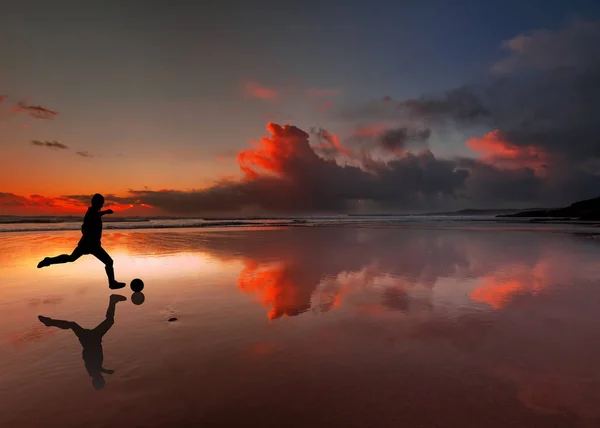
(542, 99)
(560, 116)
(542, 105)
(394, 140)
(37, 112)
(328, 144)
(50, 144)
(12, 200)
(541, 145)
(490, 184)
(56, 145)
(286, 175)
(573, 46)
(461, 105)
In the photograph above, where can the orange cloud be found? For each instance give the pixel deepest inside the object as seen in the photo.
(496, 149)
(257, 90)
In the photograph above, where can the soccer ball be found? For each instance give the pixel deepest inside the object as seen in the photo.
(137, 285)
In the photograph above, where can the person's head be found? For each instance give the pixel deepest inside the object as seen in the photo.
(98, 381)
(97, 201)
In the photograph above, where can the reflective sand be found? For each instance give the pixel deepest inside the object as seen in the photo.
(308, 327)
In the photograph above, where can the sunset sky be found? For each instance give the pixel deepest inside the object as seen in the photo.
(193, 108)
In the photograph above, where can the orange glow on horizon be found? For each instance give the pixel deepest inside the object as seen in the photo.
(41, 205)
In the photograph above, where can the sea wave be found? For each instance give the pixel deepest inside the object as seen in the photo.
(441, 221)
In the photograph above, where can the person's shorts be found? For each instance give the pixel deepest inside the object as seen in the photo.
(88, 248)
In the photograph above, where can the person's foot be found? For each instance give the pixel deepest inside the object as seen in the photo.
(117, 298)
(44, 320)
(44, 263)
(115, 285)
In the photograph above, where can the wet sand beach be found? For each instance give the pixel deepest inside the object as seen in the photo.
(297, 327)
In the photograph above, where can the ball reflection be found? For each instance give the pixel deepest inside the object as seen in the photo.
(138, 298)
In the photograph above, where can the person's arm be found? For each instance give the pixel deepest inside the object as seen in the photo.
(108, 211)
(107, 371)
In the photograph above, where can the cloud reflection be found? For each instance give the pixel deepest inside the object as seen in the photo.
(521, 307)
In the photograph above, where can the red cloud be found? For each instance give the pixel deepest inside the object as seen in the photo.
(37, 203)
(259, 91)
(283, 153)
(2, 98)
(272, 153)
(13, 204)
(496, 149)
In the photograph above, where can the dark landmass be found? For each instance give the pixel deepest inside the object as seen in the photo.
(588, 210)
(465, 212)
(474, 212)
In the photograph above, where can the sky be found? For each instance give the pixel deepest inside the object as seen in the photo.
(192, 108)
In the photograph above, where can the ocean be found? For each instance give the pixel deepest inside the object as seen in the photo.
(65, 223)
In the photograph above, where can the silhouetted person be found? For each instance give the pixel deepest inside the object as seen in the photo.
(89, 243)
(91, 340)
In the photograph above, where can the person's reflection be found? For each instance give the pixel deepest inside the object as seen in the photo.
(91, 340)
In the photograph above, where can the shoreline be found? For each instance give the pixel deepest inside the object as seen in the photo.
(579, 226)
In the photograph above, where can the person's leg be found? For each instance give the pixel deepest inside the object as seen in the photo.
(103, 256)
(63, 258)
(62, 324)
(105, 325)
